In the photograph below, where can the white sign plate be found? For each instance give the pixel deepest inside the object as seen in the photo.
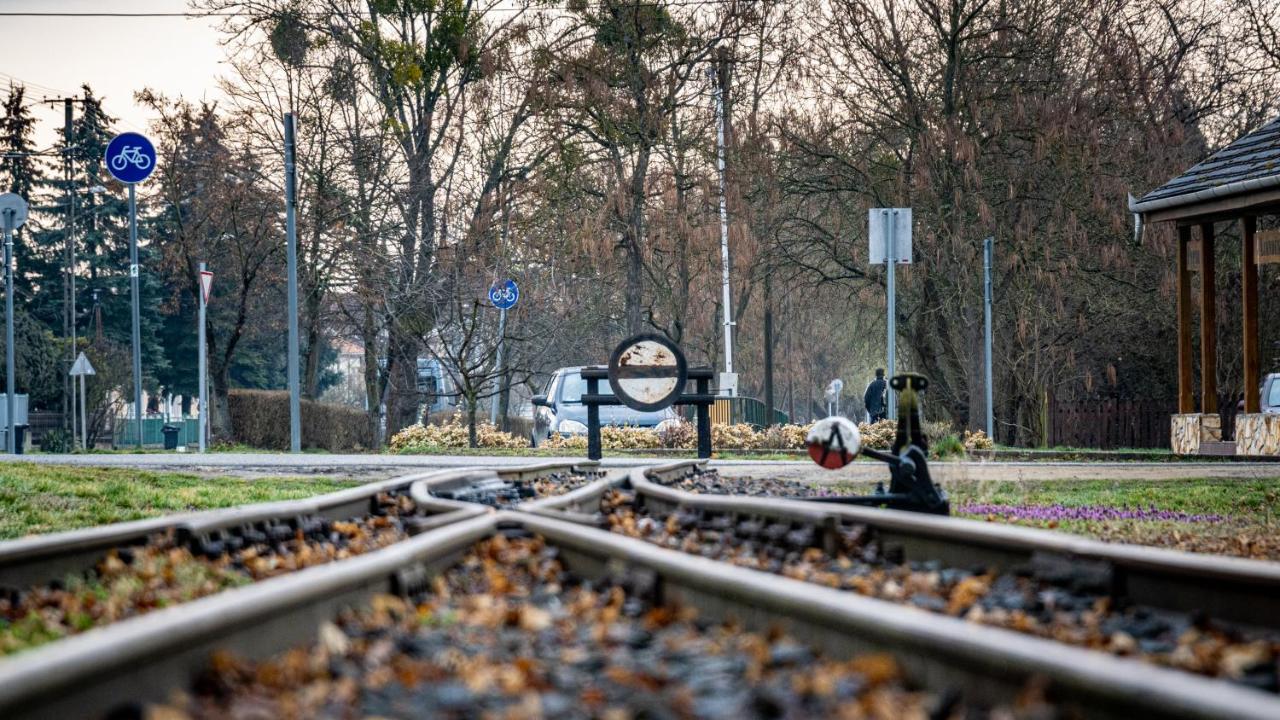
(647, 372)
(880, 221)
(82, 366)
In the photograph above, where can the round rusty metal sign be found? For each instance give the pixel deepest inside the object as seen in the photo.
(647, 372)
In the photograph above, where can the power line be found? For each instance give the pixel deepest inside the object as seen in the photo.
(198, 15)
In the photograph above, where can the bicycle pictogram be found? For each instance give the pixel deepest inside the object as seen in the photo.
(504, 295)
(130, 155)
(130, 158)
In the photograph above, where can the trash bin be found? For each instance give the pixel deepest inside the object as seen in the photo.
(170, 436)
(19, 438)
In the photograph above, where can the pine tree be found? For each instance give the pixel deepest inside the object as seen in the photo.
(19, 171)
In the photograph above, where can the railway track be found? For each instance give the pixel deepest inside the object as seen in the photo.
(1204, 614)
(534, 613)
(57, 585)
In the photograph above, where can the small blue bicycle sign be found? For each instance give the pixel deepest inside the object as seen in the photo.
(504, 295)
(130, 158)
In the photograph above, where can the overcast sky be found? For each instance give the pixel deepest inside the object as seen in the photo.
(116, 56)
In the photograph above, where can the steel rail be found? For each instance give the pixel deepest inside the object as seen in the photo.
(1236, 590)
(149, 657)
(25, 562)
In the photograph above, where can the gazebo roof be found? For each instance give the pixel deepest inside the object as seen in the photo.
(1244, 174)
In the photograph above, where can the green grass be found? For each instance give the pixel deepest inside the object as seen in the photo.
(42, 499)
(1254, 498)
(1249, 526)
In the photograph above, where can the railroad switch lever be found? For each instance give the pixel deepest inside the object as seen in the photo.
(910, 485)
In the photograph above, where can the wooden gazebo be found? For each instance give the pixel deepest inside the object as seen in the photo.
(1236, 184)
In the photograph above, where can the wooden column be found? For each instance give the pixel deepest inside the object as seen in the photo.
(1249, 305)
(1208, 324)
(1185, 403)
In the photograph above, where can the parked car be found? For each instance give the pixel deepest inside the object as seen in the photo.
(559, 409)
(1269, 394)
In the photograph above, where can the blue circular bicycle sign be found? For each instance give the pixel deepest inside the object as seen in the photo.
(504, 295)
(130, 158)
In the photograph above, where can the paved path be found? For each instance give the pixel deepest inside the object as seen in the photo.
(366, 465)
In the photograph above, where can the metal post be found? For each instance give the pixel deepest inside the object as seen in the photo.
(8, 331)
(84, 425)
(703, 419)
(987, 252)
(203, 364)
(71, 247)
(134, 271)
(890, 264)
(724, 228)
(593, 421)
(502, 334)
(291, 232)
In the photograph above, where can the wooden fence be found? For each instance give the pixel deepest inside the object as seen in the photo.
(1108, 424)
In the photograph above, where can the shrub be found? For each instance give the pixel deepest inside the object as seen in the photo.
(260, 418)
(784, 437)
(565, 442)
(977, 440)
(452, 434)
(56, 440)
(878, 435)
(622, 437)
(947, 446)
(680, 434)
(739, 436)
(936, 430)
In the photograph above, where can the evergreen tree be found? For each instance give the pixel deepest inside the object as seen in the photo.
(19, 171)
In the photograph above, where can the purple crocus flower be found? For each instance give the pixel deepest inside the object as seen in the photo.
(1084, 512)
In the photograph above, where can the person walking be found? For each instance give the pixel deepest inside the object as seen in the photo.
(874, 398)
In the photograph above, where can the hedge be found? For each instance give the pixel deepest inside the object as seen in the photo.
(260, 419)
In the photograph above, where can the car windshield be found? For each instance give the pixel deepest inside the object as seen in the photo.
(572, 387)
(1273, 395)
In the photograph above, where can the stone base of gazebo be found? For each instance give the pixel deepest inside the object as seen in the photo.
(1258, 434)
(1191, 432)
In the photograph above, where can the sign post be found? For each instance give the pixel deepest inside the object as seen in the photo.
(834, 388)
(988, 250)
(890, 238)
(504, 296)
(291, 259)
(13, 213)
(206, 284)
(131, 158)
(80, 368)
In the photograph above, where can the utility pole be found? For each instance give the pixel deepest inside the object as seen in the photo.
(69, 254)
(291, 232)
(718, 74)
(988, 250)
(69, 276)
(13, 213)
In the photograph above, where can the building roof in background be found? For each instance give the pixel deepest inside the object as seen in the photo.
(1250, 164)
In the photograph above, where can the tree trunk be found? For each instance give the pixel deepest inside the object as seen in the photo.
(220, 407)
(402, 382)
(311, 363)
(472, 438)
(504, 403)
(372, 386)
